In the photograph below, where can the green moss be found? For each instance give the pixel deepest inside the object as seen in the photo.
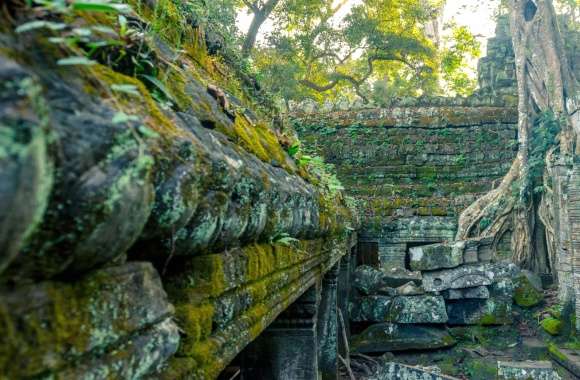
(555, 352)
(488, 319)
(196, 320)
(552, 326)
(525, 295)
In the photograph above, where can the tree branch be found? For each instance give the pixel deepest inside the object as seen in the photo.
(357, 83)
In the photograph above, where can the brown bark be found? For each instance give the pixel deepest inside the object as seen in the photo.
(261, 14)
(545, 82)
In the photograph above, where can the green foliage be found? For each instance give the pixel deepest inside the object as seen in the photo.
(325, 173)
(463, 46)
(544, 136)
(285, 240)
(80, 41)
(552, 326)
(378, 51)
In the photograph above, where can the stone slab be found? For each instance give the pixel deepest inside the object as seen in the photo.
(386, 337)
(371, 309)
(395, 277)
(492, 311)
(467, 276)
(569, 359)
(479, 292)
(367, 280)
(436, 256)
(419, 309)
(536, 370)
(398, 371)
(54, 325)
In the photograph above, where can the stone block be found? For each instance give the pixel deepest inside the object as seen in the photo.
(395, 277)
(528, 290)
(386, 337)
(467, 276)
(371, 309)
(492, 311)
(54, 327)
(410, 289)
(398, 371)
(367, 279)
(537, 370)
(436, 256)
(418, 309)
(479, 292)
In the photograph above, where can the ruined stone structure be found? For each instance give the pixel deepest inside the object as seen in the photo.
(413, 169)
(153, 224)
(155, 233)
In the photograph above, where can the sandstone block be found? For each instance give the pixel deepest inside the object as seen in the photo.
(385, 337)
(418, 309)
(467, 276)
(371, 309)
(55, 326)
(436, 256)
(480, 292)
(492, 311)
(537, 370)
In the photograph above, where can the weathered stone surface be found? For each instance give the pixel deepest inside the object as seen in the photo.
(539, 370)
(528, 291)
(492, 311)
(410, 289)
(467, 276)
(385, 337)
(436, 256)
(50, 326)
(395, 277)
(371, 309)
(418, 309)
(398, 371)
(480, 292)
(139, 357)
(25, 168)
(367, 279)
(569, 359)
(192, 180)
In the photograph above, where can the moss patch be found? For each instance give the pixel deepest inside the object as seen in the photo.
(552, 326)
(525, 295)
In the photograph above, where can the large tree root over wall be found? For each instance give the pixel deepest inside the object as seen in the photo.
(546, 83)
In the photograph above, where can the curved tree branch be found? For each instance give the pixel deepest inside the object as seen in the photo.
(337, 76)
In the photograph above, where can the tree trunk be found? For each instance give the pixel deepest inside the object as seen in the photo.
(260, 16)
(545, 83)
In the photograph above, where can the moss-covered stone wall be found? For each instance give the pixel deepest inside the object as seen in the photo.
(152, 224)
(414, 169)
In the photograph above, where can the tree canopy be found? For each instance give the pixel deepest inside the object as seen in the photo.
(375, 50)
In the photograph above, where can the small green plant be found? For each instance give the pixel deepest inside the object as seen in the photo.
(460, 160)
(80, 41)
(285, 240)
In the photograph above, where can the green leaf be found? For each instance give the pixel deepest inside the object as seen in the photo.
(160, 86)
(100, 6)
(70, 61)
(39, 24)
(147, 132)
(122, 118)
(294, 149)
(104, 29)
(82, 32)
(126, 88)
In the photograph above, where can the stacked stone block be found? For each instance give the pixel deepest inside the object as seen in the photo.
(447, 288)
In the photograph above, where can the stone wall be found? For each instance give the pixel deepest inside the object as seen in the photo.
(145, 232)
(414, 169)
